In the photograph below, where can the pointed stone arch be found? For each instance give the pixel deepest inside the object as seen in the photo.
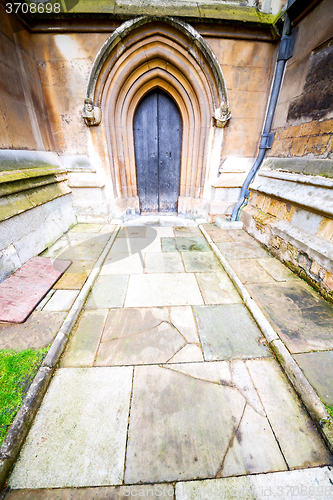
(147, 53)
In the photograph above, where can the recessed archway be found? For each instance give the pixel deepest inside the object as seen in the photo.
(169, 55)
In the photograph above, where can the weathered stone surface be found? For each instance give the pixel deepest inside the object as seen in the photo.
(122, 323)
(187, 354)
(80, 266)
(318, 369)
(87, 446)
(216, 288)
(84, 341)
(87, 228)
(108, 291)
(302, 483)
(36, 332)
(191, 416)
(249, 271)
(164, 262)
(200, 262)
(169, 411)
(61, 300)
(228, 331)
(85, 250)
(154, 345)
(187, 232)
(300, 442)
(248, 250)
(135, 245)
(304, 319)
(71, 281)
(277, 270)
(168, 245)
(192, 244)
(173, 289)
(123, 263)
(182, 318)
(132, 232)
(97, 493)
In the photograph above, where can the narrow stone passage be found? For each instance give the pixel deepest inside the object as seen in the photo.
(167, 384)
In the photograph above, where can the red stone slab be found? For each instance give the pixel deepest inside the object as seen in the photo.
(24, 289)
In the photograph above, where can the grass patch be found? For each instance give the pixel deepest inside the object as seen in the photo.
(329, 409)
(17, 370)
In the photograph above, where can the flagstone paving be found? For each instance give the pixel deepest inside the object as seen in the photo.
(167, 388)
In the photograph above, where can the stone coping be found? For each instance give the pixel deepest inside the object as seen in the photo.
(304, 165)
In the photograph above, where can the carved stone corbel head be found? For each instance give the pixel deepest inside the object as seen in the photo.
(222, 115)
(91, 114)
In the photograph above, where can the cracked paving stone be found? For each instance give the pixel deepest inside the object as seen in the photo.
(84, 341)
(299, 440)
(70, 443)
(182, 318)
(303, 319)
(217, 288)
(187, 354)
(178, 429)
(185, 427)
(122, 323)
(36, 332)
(201, 262)
(156, 345)
(228, 331)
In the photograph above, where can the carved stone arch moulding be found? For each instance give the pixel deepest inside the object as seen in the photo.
(144, 54)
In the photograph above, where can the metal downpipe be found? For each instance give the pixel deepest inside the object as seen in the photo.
(266, 137)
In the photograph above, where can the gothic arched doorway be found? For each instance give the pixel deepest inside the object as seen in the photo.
(157, 139)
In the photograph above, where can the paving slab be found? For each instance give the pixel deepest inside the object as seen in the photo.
(277, 270)
(84, 341)
(135, 245)
(132, 232)
(71, 281)
(25, 288)
(219, 235)
(83, 227)
(182, 318)
(160, 232)
(249, 271)
(164, 262)
(248, 250)
(192, 244)
(299, 440)
(87, 446)
(168, 245)
(217, 288)
(183, 427)
(188, 354)
(228, 331)
(302, 318)
(123, 263)
(297, 484)
(196, 262)
(85, 250)
(163, 491)
(61, 300)
(173, 289)
(240, 235)
(318, 369)
(36, 332)
(122, 323)
(78, 238)
(156, 345)
(108, 291)
(187, 232)
(80, 266)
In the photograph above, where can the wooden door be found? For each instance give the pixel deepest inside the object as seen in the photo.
(157, 138)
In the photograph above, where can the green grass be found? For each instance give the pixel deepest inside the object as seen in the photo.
(329, 409)
(17, 370)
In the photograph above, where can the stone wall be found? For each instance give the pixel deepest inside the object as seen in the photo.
(291, 203)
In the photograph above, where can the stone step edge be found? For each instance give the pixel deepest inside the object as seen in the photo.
(303, 388)
(22, 423)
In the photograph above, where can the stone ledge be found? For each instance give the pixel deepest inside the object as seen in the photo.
(312, 193)
(307, 166)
